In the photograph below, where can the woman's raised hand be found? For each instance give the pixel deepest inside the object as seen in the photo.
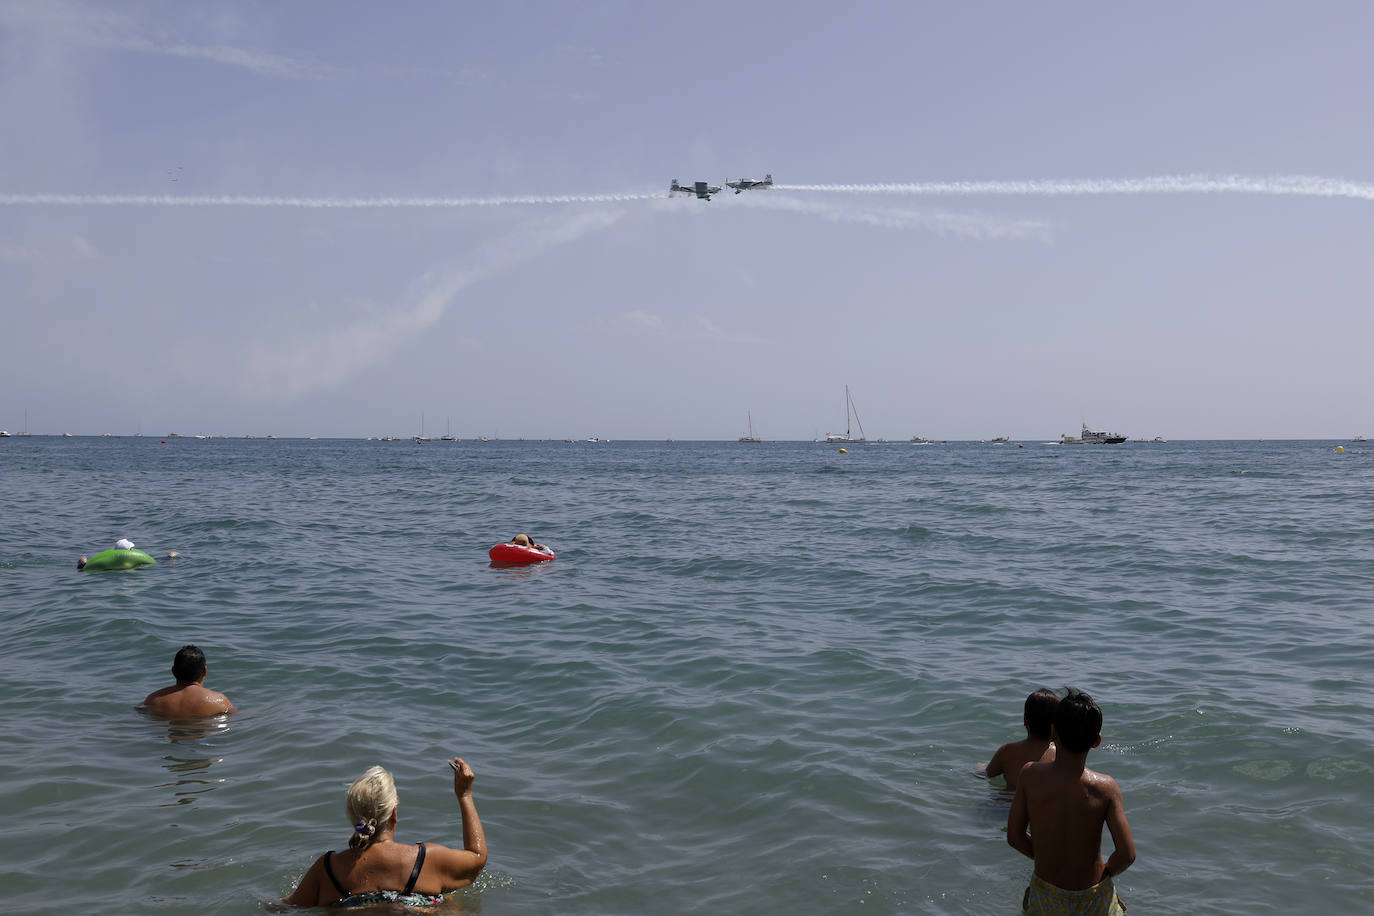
(462, 776)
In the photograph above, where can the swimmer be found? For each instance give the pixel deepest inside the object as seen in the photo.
(188, 698)
(375, 869)
(129, 562)
(524, 540)
(1038, 718)
(1066, 805)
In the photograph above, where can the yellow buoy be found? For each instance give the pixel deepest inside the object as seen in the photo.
(844, 451)
(1340, 448)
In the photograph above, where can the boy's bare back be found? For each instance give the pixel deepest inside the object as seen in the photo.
(1067, 806)
(1038, 718)
(1014, 755)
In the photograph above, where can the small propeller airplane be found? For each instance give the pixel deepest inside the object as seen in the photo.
(700, 188)
(745, 184)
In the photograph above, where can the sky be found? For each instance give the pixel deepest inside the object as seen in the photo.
(360, 219)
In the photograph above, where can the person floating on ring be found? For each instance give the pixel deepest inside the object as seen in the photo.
(524, 540)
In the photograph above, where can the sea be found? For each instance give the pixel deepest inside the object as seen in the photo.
(756, 681)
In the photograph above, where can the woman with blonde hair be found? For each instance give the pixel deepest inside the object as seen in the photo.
(376, 869)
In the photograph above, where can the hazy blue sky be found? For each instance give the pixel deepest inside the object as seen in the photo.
(956, 315)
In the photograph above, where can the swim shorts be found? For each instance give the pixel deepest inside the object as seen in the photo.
(1044, 899)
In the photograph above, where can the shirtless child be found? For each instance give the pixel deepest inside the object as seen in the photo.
(1038, 719)
(1066, 804)
(188, 698)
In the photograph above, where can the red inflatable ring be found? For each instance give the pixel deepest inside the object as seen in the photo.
(514, 553)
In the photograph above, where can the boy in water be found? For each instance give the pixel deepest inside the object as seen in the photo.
(1066, 804)
(188, 698)
(1038, 718)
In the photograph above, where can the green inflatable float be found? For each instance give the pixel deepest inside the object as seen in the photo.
(122, 556)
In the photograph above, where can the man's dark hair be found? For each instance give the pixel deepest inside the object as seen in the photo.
(1077, 721)
(1040, 707)
(189, 665)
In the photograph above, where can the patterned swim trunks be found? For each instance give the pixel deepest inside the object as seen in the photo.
(1044, 899)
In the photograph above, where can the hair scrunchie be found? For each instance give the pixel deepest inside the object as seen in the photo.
(364, 828)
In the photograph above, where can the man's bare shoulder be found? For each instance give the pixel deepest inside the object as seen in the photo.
(188, 701)
(216, 700)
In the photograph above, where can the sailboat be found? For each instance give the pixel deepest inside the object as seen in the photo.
(847, 435)
(751, 437)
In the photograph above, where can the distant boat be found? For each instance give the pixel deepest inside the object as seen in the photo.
(1356, 439)
(448, 434)
(847, 435)
(921, 440)
(999, 440)
(1093, 437)
(751, 437)
(4, 433)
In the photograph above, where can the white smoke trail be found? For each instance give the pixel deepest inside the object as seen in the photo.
(324, 360)
(961, 225)
(1283, 185)
(309, 203)
(1278, 185)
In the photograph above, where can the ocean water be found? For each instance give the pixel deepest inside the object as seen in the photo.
(755, 681)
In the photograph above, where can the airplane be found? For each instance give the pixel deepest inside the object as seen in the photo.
(700, 188)
(744, 184)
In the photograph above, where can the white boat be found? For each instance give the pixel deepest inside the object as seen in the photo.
(1098, 437)
(848, 435)
(921, 440)
(751, 437)
(4, 433)
(999, 440)
(1356, 439)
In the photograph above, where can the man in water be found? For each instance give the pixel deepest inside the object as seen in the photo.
(1066, 804)
(188, 698)
(1038, 718)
